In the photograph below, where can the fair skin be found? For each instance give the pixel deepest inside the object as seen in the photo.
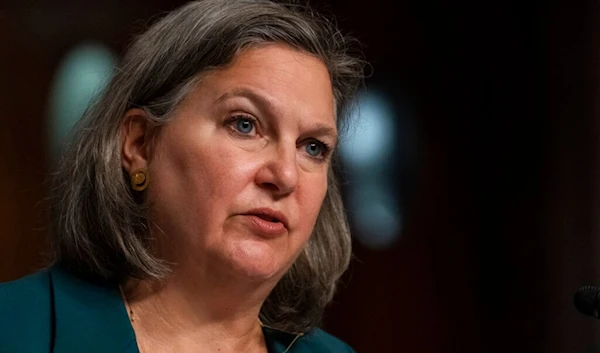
(237, 179)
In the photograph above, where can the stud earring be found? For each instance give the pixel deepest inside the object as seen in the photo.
(139, 180)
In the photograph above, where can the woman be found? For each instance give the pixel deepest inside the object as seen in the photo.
(196, 209)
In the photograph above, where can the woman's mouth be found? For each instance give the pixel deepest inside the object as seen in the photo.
(267, 222)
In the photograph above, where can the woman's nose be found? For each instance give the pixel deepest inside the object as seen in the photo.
(279, 172)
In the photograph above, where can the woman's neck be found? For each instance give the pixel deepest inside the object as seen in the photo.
(189, 312)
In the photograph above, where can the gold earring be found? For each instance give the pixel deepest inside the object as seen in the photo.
(139, 179)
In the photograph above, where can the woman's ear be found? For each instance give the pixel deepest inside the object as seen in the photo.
(135, 137)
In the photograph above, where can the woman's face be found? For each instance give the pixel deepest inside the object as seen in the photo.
(239, 174)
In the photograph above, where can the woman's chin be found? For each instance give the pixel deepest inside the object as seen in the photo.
(257, 261)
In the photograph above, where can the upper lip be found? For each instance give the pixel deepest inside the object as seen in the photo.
(269, 213)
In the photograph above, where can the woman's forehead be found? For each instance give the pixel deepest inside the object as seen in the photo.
(274, 77)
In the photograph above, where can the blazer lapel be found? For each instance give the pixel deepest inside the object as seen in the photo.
(89, 317)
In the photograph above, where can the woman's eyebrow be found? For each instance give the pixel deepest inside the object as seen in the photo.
(246, 93)
(320, 129)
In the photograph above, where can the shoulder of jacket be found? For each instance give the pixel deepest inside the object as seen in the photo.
(38, 281)
(26, 313)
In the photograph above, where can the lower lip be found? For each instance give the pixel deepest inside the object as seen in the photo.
(265, 227)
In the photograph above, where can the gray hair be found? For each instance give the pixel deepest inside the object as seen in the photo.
(100, 228)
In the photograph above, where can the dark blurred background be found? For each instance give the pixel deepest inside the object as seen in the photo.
(474, 185)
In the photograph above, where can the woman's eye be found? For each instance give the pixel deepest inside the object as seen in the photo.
(314, 149)
(244, 125)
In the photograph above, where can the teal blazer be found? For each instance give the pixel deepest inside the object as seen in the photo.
(53, 311)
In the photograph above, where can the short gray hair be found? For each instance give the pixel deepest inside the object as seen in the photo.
(100, 228)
